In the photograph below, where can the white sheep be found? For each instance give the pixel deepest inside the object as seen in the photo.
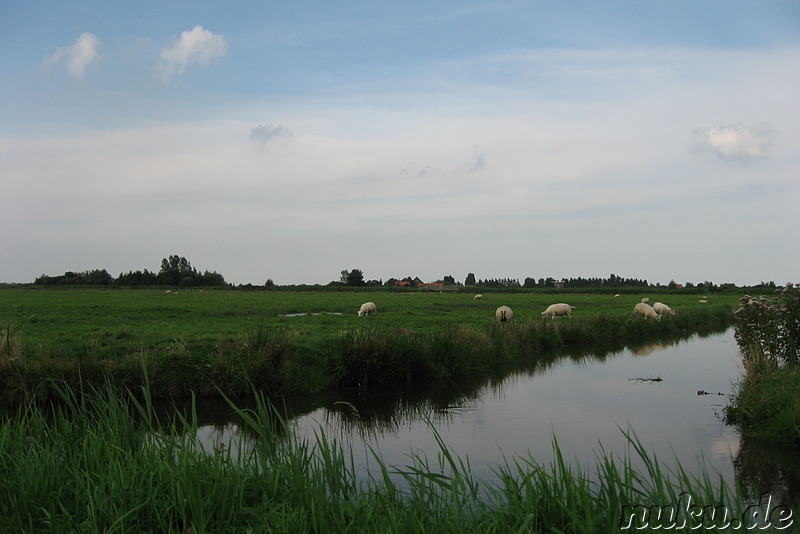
(368, 308)
(558, 309)
(478, 296)
(644, 309)
(646, 300)
(702, 301)
(663, 309)
(504, 314)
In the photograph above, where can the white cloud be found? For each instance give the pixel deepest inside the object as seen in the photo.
(737, 142)
(197, 45)
(78, 55)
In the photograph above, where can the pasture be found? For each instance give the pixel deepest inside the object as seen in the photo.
(305, 341)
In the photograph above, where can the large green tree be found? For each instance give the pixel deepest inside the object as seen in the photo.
(355, 278)
(174, 269)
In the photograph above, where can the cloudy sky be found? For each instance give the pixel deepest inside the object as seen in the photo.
(292, 140)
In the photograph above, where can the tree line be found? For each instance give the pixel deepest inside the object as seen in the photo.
(355, 278)
(178, 271)
(175, 271)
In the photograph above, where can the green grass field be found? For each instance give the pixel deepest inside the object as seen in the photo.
(107, 323)
(303, 341)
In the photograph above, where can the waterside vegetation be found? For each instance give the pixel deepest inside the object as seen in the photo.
(200, 342)
(767, 399)
(106, 462)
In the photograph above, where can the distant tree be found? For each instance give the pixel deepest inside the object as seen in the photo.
(186, 281)
(672, 284)
(210, 278)
(529, 282)
(449, 280)
(137, 278)
(269, 283)
(355, 278)
(344, 275)
(470, 281)
(174, 269)
(95, 277)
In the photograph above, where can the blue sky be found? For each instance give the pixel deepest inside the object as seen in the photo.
(292, 140)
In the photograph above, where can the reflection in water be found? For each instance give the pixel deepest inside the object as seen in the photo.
(766, 467)
(583, 398)
(650, 348)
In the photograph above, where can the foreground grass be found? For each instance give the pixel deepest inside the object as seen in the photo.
(196, 342)
(105, 463)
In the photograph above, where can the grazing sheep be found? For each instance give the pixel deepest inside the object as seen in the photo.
(663, 309)
(615, 296)
(646, 300)
(644, 309)
(368, 308)
(504, 314)
(702, 301)
(558, 309)
(478, 296)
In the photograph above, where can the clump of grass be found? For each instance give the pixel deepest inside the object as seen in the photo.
(10, 347)
(261, 360)
(369, 357)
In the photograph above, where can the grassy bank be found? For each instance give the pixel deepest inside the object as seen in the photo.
(106, 463)
(767, 400)
(198, 340)
(295, 342)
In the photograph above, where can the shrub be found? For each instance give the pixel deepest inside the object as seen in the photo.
(768, 334)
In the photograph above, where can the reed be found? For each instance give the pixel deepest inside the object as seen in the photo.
(105, 463)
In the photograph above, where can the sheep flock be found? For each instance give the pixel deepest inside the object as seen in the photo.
(505, 314)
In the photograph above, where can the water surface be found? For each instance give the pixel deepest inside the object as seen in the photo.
(669, 394)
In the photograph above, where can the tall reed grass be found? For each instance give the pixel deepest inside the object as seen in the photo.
(104, 462)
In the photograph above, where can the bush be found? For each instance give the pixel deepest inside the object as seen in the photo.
(767, 401)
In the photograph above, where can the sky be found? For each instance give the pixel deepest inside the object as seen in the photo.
(289, 141)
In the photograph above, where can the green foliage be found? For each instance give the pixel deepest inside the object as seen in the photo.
(96, 277)
(175, 270)
(770, 328)
(767, 405)
(767, 402)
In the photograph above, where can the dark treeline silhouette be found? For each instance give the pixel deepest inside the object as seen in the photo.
(97, 277)
(175, 271)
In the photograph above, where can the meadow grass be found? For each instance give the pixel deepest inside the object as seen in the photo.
(105, 462)
(196, 341)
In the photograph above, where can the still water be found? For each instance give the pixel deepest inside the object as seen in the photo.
(670, 395)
